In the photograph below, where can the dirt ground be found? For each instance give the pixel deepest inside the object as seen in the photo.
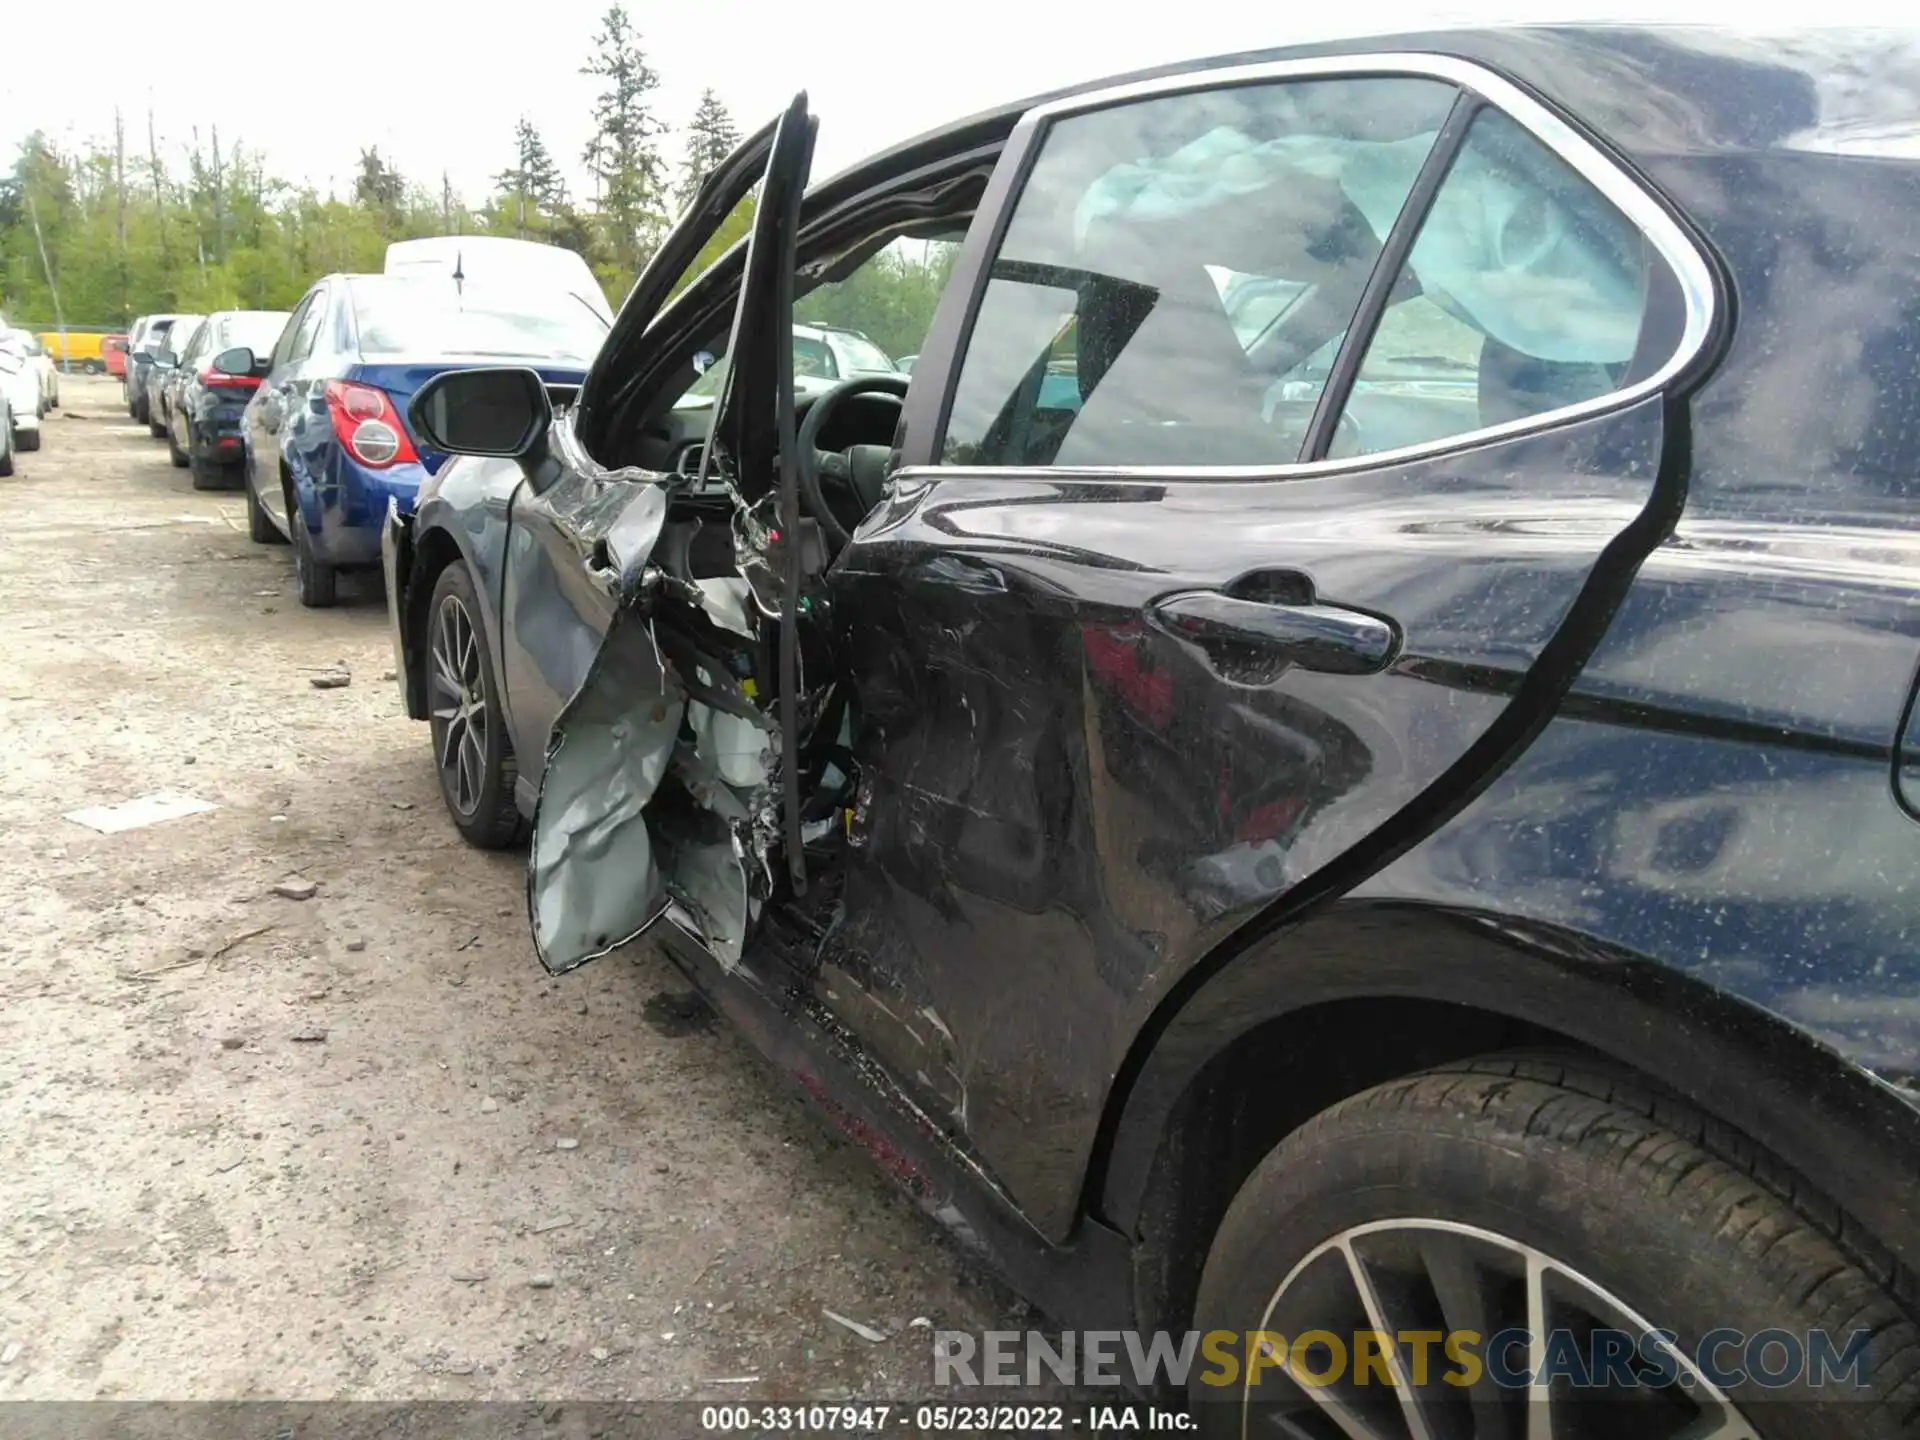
(356, 1146)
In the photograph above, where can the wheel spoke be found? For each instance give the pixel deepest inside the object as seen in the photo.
(1410, 1407)
(1432, 1277)
(450, 740)
(1719, 1423)
(449, 646)
(1337, 1410)
(443, 676)
(469, 772)
(469, 654)
(1460, 1288)
(1539, 1393)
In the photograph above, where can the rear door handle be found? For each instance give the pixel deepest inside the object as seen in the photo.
(1254, 640)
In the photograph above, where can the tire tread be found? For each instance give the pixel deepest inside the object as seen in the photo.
(1801, 1240)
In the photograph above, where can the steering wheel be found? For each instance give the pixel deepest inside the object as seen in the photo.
(863, 467)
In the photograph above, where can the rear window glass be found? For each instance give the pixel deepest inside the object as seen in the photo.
(812, 357)
(258, 330)
(434, 316)
(861, 354)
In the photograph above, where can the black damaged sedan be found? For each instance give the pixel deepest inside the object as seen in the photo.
(1337, 767)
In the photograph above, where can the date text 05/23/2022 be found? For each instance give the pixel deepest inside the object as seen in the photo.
(923, 1419)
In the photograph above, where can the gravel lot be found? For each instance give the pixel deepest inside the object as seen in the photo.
(355, 1146)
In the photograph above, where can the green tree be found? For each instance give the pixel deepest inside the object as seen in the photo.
(532, 187)
(624, 153)
(890, 299)
(379, 189)
(711, 137)
(731, 232)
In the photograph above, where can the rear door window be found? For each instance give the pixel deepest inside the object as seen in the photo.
(814, 358)
(283, 348)
(1525, 292)
(1174, 267)
(308, 330)
(197, 343)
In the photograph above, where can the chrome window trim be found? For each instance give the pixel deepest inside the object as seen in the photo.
(1689, 267)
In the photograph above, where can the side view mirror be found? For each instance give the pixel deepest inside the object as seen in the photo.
(504, 412)
(237, 361)
(165, 359)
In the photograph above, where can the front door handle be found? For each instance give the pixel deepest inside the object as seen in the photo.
(1252, 641)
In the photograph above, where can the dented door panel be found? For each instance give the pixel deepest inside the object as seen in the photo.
(659, 794)
(1066, 803)
(556, 604)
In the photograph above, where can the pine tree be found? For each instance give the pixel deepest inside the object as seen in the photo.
(624, 153)
(379, 188)
(711, 137)
(533, 183)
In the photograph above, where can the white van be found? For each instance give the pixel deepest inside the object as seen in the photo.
(496, 261)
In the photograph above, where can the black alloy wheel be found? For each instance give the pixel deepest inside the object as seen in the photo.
(1592, 1233)
(470, 746)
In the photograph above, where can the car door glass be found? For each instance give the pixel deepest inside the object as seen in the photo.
(1173, 265)
(283, 348)
(1528, 292)
(309, 330)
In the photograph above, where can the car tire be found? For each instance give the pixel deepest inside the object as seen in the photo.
(260, 527)
(211, 475)
(26, 441)
(180, 459)
(315, 581)
(6, 458)
(156, 428)
(472, 755)
(1619, 1193)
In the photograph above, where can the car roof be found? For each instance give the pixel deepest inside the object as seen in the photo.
(1709, 85)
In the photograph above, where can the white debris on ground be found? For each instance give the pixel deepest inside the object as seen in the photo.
(310, 1148)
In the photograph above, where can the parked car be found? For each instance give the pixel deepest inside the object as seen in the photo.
(73, 350)
(203, 408)
(147, 338)
(20, 378)
(326, 447)
(41, 363)
(160, 366)
(113, 356)
(529, 266)
(9, 362)
(823, 356)
(164, 374)
(1396, 819)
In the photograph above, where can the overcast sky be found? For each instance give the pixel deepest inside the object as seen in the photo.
(437, 84)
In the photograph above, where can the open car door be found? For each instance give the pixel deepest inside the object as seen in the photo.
(662, 791)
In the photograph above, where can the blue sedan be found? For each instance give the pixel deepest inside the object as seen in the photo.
(326, 444)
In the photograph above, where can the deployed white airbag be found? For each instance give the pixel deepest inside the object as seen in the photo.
(1516, 245)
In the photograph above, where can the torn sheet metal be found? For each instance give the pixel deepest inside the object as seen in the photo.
(630, 539)
(140, 812)
(657, 794)
(592, 883)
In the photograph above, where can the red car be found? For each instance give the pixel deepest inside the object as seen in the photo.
(113, 349)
